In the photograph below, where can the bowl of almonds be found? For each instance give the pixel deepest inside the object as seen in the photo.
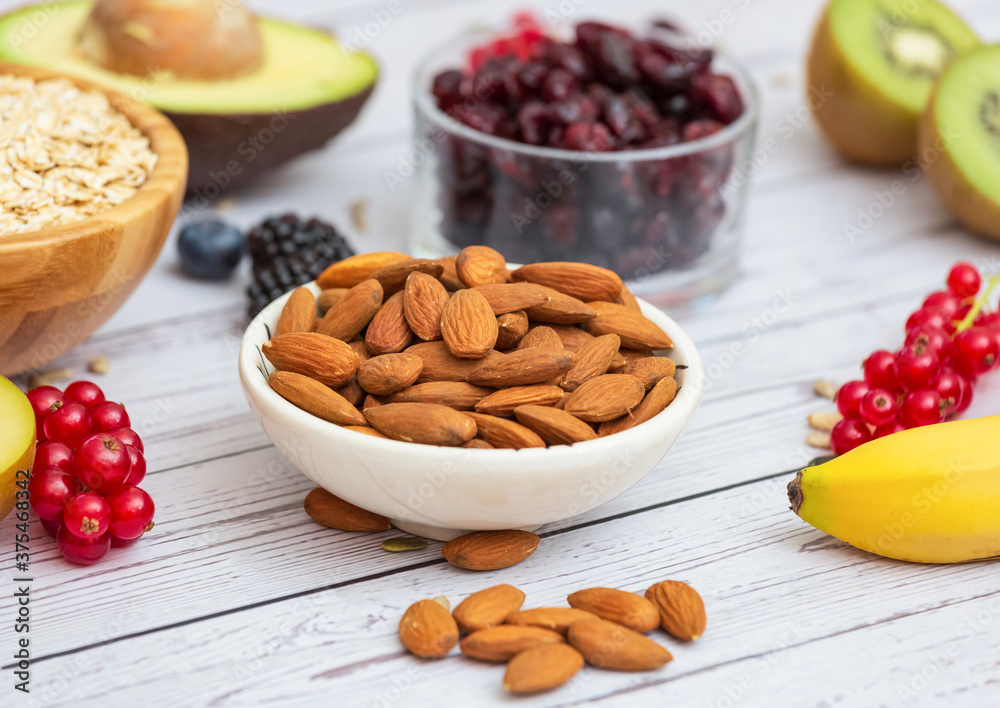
(466, 393)
(91, 183)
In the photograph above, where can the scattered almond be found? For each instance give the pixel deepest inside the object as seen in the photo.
(650, 369)
(636, 331)
(503, 433)
(510, 297)
(423, 305)
(351, 271)
(315, 398)
(330, 361)
(501, 643)
(520, 367)
(820, 441)
(298, 313)
(481, 265)
(825, 421)
(389, 373)
(468, 325)
(393, 276)
(561, 309)
(487, 608)
(511, 329)
(426, 423)
(825, 389)
(654, 403)
(608, 645)
(557, 619)
(332, 511)
(354, 311)
(592, 359)
(681, 609)
(580, 280)
(554, 426)
(504, 401)
(625, 608)
(389, 331)
(490, 550)
(605, 397)
(428, 630)
(99, 365)
(542, 668)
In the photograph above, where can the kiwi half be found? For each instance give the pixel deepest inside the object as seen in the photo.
(871, 69)
(959, 140)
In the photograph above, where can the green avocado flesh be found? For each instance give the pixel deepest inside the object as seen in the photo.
(899, 47)
(302, 68)
(967, 117)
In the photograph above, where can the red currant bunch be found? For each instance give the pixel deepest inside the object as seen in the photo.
(87, 468)
(950, 342)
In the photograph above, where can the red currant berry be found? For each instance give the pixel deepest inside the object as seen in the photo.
(128, 436)
(87, 515)
(51, 527)
(102, 462)
(849, 398)
(849, 434)
(44, 400)
(137, 471)
(951, 386)
(880, 370)
(975, 351)
(990, 320)
(131, 511)
(920, 408)
(121, 542)
(964, 280)
(929, 315)
(70, 424)
(109, 415)
(85, 392)
(917, 368)
(82, 551)
(878, 407)
(931, 338)
(50, 490)
(943, 300)
(887, 429)
(52, 454)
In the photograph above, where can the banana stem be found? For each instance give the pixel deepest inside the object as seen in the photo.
(978, 306)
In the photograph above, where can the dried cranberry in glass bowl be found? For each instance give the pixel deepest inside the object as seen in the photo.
(606, 147)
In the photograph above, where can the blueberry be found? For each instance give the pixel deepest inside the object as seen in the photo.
(210, 249)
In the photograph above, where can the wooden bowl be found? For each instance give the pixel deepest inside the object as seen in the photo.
(60, 283)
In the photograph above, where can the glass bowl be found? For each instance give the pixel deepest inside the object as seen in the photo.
(668, 220)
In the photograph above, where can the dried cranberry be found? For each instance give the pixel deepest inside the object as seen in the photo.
(447, 89)
(532, 76)
(559, 85)
(588, 137)
(569, 58)
(720, 94)
(533, 121)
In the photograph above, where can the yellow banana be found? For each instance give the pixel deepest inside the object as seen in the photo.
(928, 495)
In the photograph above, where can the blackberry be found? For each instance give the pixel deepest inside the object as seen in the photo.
(288, 251)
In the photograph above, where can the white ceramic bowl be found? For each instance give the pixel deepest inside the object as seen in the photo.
(441, 492)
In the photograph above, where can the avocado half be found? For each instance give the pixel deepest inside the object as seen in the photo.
(308, 88)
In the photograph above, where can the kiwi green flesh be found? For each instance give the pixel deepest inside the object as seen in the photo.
(966, 114)
(303, 67)
(898, 47)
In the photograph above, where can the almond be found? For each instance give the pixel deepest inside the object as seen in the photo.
(298, 313)
(653, 404)
(605, 397)
(354, 311)
(351, 392)
(389, 373)
(371, 402)
(608, 645)
(557, 619)
(627, 299)
(625, 608)
(542, 336)
(440, 364)
(426, 423)
(503, 433)
(618, 363)
(580, 280)
(329, 298)
(393, 277)
(468, 325)
(332, 511)
(490, 550)
(389, 331)
(366, 430)
(504, 401)
(650, 369)
(682, 611)
(481, 265)
(477, 444)
(509, 297)
(328, 360)
(449, 274)
(511, 328)
(634, 354)
(561, 309)
(455, 394)
(554, 426)
(541, 668)
(636, 330)
(428, 630)
(487, 608)
(572, 338)
(361, 349)
(592, 359)
(423, 305)
(521, 367)
(313, 397)
(503, 642)
(351, 271)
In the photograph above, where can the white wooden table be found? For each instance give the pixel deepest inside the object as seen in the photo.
(238, 599)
